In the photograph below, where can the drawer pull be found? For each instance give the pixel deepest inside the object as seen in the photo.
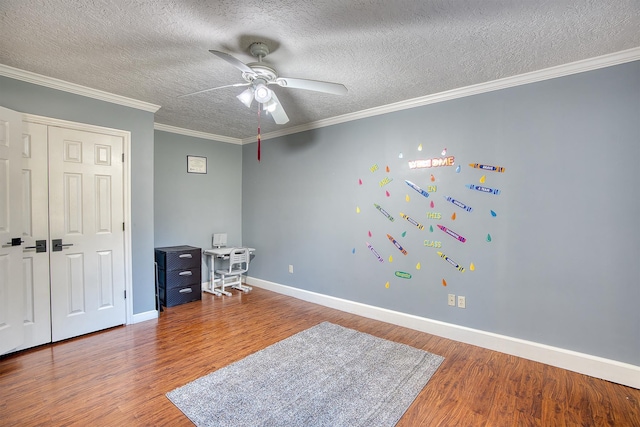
(185, 273)
(185, 256)
(185, 291)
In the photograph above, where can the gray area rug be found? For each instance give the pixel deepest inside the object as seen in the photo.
(327, 375)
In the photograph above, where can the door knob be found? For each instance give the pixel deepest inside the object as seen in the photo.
(15, 241)
(41, 246)
(57, 245)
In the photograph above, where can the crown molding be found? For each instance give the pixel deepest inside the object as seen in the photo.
(53, 83)
(577, 67)
(197, 134)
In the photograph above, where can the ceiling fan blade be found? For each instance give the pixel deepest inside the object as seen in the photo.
(233, 61)
(214, 88)
(315, 85)
(279, 116)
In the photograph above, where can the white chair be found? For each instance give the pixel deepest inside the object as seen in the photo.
(232, 276)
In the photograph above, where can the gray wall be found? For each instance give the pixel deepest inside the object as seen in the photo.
(39, 100)
(190, 207)
(562, 265)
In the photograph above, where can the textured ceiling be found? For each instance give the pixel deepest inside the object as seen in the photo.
(382, 51)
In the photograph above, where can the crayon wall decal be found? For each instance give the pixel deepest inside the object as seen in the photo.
(412, 221)
(452, 262)
(458, 203)
(403, 274)
(483, 189)
(487, 167)
(452, 233)
(396, 244)
(418, 189)
(373, 251)
(383, 212)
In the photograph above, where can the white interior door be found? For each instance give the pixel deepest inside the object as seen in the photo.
(86, 216)
(10, 230)
(36, 246)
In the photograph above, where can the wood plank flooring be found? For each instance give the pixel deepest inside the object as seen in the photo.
(119, 377)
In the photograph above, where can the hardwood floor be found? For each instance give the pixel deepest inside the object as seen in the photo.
(119, 377)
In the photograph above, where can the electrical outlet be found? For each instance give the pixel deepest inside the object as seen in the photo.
(291, 268)
(462, 302)
(451, 300)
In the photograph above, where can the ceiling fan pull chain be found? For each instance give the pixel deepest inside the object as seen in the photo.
(258, 132)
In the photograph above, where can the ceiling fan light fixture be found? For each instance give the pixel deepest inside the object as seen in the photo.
(246, 97)
(270, 106)
(262, 93)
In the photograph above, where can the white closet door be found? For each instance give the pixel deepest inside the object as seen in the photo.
(11, 294)
(35, 226)
(86, 215)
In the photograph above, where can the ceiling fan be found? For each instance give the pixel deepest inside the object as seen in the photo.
(259, 75)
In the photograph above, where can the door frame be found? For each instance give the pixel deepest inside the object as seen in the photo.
(126, 191)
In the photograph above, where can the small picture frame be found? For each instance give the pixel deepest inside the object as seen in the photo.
(196, 164)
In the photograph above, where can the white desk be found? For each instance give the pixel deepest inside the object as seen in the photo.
(217, 254)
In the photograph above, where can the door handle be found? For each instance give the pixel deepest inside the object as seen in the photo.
(41, 246)
(57, 245)
(15, 241)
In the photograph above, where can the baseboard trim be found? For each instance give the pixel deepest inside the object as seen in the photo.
(598, 367)
(143, 317)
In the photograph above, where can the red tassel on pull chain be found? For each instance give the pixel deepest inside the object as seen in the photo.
(258, 132)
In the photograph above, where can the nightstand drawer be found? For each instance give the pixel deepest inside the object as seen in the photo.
(176, 296)
(178, 257)
(176, 278)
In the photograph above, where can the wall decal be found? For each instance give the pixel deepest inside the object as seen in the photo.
(369, 233)
(452, 262)
(412, 221)
(487, 167)
(390, 258)
(385, 181)
(407, 198)
(404, 234)
(418, 266)
(458, 169)
(453, 216)
(432, 244)
(353, 251)
(488, 237)
(434, 215)
(433, 205)
(387, 169)
(373, 251)
(396, 244)
(432, 163)
(493, 214)
(400, 155)
(420, 147)
(360, 182)
(472, 267)
(444, 151)
(373, 168)
(482, 179)
(433, 178)
(403, 274)
(357, 209)
(387, 193)
(431, 228)
(383, 212)
(444, 282)
(386, 285)
(452, 233)
(415, 187)
(483, 189)
(458, 203)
